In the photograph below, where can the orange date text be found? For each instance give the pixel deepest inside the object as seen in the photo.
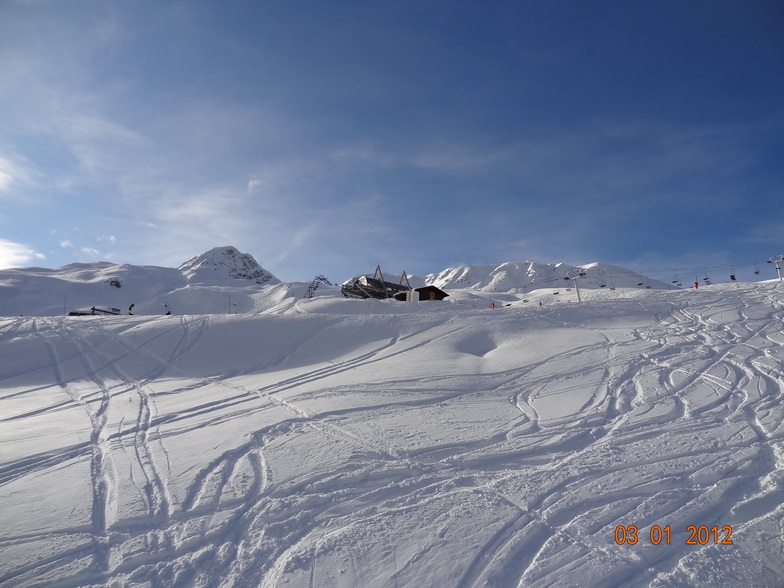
(656, 535)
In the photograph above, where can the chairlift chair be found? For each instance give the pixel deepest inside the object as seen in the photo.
(756, 269)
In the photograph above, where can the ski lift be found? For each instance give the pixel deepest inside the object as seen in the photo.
(581, 272)
(732, 274)
(675, 279)
(376, 287)
(756, 269)
(706, 279)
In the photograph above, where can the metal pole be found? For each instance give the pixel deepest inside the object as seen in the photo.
(576, 287)
(777, 261)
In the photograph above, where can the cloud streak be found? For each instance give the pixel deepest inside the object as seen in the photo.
(17, 254)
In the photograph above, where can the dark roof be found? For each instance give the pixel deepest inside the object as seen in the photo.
(431, 288)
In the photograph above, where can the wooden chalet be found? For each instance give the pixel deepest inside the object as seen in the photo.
(423, 293)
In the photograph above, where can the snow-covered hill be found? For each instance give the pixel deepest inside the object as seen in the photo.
(524, 276)
(627, 441)
(226, 281)
(222, 280)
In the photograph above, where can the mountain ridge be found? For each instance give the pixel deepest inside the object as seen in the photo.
(224, 280)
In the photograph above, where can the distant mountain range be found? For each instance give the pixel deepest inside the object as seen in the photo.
(224, 280)
(524, 276)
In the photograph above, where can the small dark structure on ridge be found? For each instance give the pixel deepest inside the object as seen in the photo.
(93, 310)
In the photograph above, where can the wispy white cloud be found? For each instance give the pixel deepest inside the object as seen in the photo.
(15, 172)
(212, 209)
(764, 232)
(99, 143)
(350, 234)
(437, 156)
(5, 180)
(17, 254)
(597, 158)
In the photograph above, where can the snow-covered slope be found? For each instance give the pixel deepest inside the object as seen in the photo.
(334, 442)
(226, 281)
(226, 263)
(523, 276)
(221, 280)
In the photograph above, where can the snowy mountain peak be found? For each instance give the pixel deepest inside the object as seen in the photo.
(523, 276)
(227, 262)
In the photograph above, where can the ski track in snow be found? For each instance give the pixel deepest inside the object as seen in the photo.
(445, 449)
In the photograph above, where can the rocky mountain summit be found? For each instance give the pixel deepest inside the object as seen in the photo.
(227, 261)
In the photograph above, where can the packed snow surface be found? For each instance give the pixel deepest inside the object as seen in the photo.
(332, 442)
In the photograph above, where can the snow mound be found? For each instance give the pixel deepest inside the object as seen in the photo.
(222, 262)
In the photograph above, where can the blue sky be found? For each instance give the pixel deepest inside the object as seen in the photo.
(327, 137)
